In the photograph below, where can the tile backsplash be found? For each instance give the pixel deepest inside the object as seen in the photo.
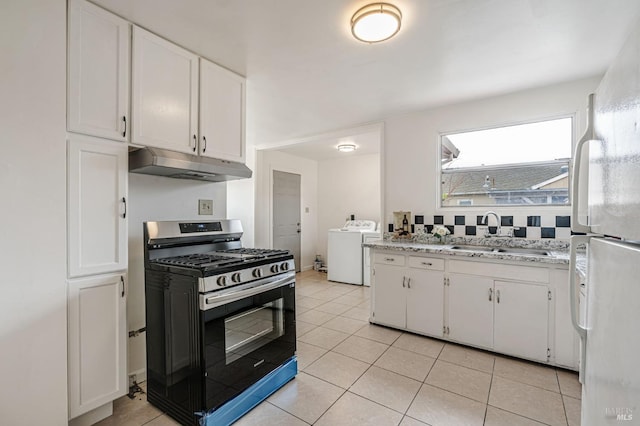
(522, 226)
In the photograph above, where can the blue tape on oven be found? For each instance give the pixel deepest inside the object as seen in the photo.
(252, 396)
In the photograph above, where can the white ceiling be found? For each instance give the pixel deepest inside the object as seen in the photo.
(325, 147)
(307, 75)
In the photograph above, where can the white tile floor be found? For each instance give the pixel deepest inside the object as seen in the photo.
(355, 373)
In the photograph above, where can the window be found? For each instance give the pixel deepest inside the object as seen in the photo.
(525, 164)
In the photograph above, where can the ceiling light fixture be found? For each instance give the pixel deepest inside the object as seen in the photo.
(376, 22)
(347, 147)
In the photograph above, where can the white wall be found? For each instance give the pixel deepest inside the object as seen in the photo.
(33, 315)
(154, 198)
(346, 186)
(411, 142)
(241, 202)
(267, 162)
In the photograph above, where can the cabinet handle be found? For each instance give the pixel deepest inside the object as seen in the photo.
(122, 282)
(490, 294)
(427, 263)
(204, 145)
(124, 118)
(195, 143)
(403, 281)
(124, 201)
(409, 283)
(389, 259)
(498, 296)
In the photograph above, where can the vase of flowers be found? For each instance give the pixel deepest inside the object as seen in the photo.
(439, 234)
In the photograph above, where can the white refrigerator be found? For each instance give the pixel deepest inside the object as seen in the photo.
(610, 181)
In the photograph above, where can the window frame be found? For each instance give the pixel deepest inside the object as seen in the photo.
(469, 208)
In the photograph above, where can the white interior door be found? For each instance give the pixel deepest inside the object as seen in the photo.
(286, 213)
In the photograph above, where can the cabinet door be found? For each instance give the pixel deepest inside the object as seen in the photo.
(222, 106)
(566, 338)
(425, 302)
(98, 89)
(389, 306)
(97, 342)
(470, 310)
(97, 190)
(521, 320)
(165, 94)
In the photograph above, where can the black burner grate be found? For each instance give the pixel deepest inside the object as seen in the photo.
(197, 260)
(255, 252)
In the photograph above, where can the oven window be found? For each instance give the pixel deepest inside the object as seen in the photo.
(252, 329)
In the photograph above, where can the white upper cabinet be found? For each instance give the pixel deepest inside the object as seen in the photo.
(98, 72)
(165, 94)
(222, 112)
(97, 191)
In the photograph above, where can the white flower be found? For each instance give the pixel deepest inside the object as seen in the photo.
(440, 231)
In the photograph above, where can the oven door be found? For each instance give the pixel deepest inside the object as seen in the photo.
(247, 333)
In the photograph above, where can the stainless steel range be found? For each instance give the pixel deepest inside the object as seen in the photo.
(220, 320)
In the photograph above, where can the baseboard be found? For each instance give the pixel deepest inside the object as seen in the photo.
(93, 416)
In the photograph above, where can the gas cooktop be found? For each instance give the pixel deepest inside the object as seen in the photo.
(214, 262)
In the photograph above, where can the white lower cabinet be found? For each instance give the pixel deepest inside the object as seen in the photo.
(503, 307)
(411, 296)
(425, 310)
(521, 320)
(391, 299)
(508, 317)
(96, 342)
(470, 310)
(567, 347)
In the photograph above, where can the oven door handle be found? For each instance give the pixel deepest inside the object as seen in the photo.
(258, 287)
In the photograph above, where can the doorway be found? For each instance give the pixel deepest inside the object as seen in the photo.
(286, 214)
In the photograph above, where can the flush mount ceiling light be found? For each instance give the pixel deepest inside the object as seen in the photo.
(376, 22)
(347, 147)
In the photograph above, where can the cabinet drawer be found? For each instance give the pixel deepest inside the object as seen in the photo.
(389, 259)
(501, 271)
(426, 263)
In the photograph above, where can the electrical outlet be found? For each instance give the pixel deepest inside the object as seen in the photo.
(205, 207)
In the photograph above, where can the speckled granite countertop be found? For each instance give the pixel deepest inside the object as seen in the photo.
(558, 250)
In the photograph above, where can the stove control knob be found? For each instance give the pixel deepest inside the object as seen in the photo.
(274, 268)
(284, 266)
(222, 281)
(236, 277)
(257, 272)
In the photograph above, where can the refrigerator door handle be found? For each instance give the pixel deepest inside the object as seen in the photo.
(573, 295)
(576, 226)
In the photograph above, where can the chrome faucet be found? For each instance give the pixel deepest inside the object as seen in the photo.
(485, 221)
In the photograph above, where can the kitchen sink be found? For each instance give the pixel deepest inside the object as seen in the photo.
(473, 248)
(525, 251)
(506, 250)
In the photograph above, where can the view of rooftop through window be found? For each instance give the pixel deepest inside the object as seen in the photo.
(525, 164)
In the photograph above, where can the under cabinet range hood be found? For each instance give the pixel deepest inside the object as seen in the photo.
(163, 162)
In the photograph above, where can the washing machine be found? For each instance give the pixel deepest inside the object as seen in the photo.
(345, 254)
